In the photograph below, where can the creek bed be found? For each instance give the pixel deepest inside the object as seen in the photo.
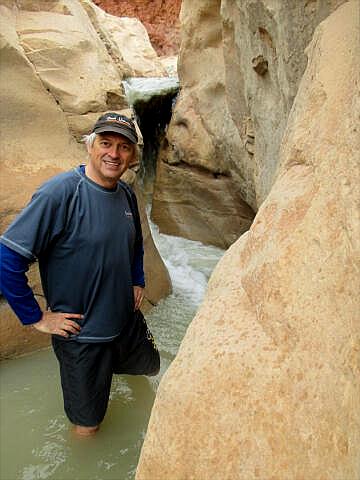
(36, 440)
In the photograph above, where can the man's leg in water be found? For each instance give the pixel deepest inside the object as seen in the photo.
(86, 374)
(85, 431)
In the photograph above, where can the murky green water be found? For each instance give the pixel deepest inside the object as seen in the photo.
(36, 441)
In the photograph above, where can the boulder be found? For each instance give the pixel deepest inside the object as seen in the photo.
(69, 57)
(160, 18)
(204, 196)
(240, 64)
(128, 42)
(266, 383)
(35, 140)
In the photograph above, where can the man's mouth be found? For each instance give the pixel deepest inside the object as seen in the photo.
(112, 163)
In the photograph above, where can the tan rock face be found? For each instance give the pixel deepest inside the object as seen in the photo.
(201, 135)
(240, 65)
(35, 141)
(70, 59)
(160, 17)
(266, 384)
(204, 196)
(128, 43)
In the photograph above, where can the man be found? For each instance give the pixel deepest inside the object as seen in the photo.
(83, 227)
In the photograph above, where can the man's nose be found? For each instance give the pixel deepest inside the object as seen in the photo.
(114, 152)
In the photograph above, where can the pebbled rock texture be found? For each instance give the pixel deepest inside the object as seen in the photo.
(266, 384)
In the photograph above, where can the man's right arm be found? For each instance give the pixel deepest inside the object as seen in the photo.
(14, 287)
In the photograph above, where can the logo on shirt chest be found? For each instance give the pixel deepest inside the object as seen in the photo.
(128, 214)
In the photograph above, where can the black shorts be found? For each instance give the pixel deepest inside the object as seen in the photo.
(86, 369)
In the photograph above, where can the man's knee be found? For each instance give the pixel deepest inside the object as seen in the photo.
(152, 374)
(155, 368)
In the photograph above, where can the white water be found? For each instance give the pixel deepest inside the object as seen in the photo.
(143, 89)
(35, 439)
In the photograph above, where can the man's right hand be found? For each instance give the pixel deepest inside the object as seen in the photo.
(58, 323)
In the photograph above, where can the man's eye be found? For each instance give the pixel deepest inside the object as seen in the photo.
(104, 144)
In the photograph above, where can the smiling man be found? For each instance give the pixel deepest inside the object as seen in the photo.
(83, 227)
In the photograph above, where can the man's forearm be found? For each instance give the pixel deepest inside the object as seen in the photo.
(14, 286)
(137, 270)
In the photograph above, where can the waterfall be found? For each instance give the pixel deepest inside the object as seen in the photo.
(141, 89)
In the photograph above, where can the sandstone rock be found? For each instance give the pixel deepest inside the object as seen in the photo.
(160, 17)
(69, 57)
(35, 141)
(191, 141)
(220, 91)
(35, 144)
(170, 64)
(266, 384)
(128, 40)
(202, 196)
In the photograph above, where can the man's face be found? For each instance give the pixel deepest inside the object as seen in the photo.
(110, 156)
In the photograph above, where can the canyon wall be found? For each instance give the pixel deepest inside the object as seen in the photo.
(62, 63)
(160, 17)
(240, 64)
(266, 384)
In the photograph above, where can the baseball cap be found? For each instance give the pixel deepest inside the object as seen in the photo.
(114, 122)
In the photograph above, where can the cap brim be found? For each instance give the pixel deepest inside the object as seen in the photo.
(116, 129)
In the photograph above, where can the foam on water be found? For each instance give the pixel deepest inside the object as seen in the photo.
(143, 89)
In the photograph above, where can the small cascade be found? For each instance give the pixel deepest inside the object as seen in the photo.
(142, 89)
(153, 100)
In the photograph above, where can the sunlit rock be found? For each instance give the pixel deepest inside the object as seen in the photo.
(35, 141)
(170, 65)
(266, 384)
(128, 42)
(69, 57)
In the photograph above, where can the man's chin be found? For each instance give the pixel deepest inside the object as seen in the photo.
(113, 173)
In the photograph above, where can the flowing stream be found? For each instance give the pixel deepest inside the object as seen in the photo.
(36, 440)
